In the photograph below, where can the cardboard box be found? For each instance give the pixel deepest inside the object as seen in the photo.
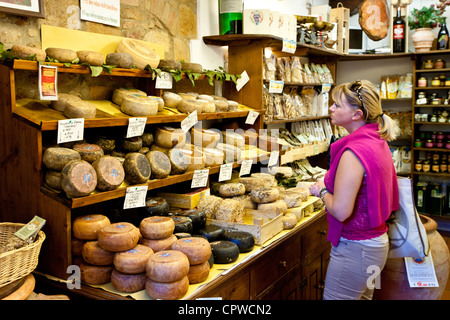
(188, 200)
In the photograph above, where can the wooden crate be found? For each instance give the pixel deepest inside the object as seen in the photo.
(300, 211)
(262, 225)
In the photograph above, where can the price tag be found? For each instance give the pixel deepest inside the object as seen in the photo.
(189, 121)
(200, 178)
(136, 127)
(421, 272)
(225, 172)
(135, 197)
(326, 87)
(242, 80)
(276, 86)
(165, 81)
(70, 130)
(48, 82)
(252, 116)
(246, 167)
(273, 160)
(289, 46)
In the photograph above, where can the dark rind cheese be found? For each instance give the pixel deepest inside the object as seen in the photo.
(182, 235)
(110, 173)
(56, 158)
(159, 164)
(120, 60)
(89, 152)
(137, 168)
(53, 179)
(244, 240)
(78, 178)
(156, 206)
(178, 161)
(133, 144)
(224, 251)
(198, 217)
(147, 139)
(106, 144)
(212, 232)
(182, 224)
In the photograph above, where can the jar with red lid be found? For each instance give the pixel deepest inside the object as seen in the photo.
(429, 144)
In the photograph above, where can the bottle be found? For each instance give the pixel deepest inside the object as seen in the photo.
(398, 42)
(442, 37)
(230, 16)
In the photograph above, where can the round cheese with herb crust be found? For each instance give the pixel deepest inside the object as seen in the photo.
(56, 158)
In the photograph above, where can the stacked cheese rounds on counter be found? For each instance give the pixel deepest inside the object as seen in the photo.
(157, 232)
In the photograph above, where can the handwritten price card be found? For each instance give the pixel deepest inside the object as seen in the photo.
(135, 197)
(70, 130)
(200, 178)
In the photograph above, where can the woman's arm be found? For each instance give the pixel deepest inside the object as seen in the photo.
(349, 176)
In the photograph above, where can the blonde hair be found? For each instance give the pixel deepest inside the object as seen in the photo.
(364, 95)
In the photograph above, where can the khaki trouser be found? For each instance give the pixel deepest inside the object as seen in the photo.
(352, 271)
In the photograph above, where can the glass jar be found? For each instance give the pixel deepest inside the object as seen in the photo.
(435, 167)
(428, 64)
(426, 166)
(439, 144)
(435, 82)
(439, 64)
(442, 80)
(444, 166)
(433, 118)
(429, 144)
(418, 143)
(422, 82)
(418, 165)
(440, 136)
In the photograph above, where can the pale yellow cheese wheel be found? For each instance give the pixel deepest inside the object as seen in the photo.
(277, 205)
(80, 109)
(61, 54)
(119, 93)
(141, 52)
(139, 106)
(86, 227)
(168, 137)
(289, 221)
(167, 266)
(205, 138)
(213, 157)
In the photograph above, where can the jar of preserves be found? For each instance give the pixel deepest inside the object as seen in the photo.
(447, 82)
(418, 143)
(440, 136)
(422, 82)
(426, 166)
(439, 144)
(429, 144)
(439, 64)
(442, 80)
(428, 64)
(435, 82)
(435, 167)
(418, 165)
(444, 166)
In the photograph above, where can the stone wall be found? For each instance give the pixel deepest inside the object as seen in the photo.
(172, 23)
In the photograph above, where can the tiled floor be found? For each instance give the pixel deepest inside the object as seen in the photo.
(446, 295)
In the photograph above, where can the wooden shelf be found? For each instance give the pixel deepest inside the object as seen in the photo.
(376, 56)
(433, 123)
(441, 175)
(432, 149)
(431, 105)
(297, 119)
(431, 88)
(432, 70)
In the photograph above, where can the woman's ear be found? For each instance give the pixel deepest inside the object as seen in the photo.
(358, 115)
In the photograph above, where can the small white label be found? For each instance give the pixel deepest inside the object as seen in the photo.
(246, 167)
(289, 46)
(251, 117)
(225, 172)
(165, 81)
(273, 160)
(200, 178)
(276, 86)
(70, 130)
(242, 80)
(189, 121)
(326, 87)
(135, 197)
(136, 127)
(420, 272)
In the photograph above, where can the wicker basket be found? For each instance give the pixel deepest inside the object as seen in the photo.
(16, 264)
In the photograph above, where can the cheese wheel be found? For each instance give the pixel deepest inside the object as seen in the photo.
(212, 233)
(167, 291)
(198, 273)
(62, 55)
(178, 161)
(209, 205)
(231, 152)
(189, 106)
(139, 106)
(192, 67)
(160, 102)
(77, 247)
(224, 251)
(195, 159)
(213, 157)
(133, 144)
(264, 195)
(205, 138)
(119, 236)
(93, 58)
(24, 52)
(252, 183)
(110, 173)
(268, 179)
(137, 168)
(141, 52)
(157, 227)
(293, 199)
(120, 60)
(60, 104)
(53, 179)
(182, 224)
(234, 139)
(277, 205)
(133, 261)
(289, 221)
(168, 137)
(78, 178)
(155, 147)
(96, 255)
(230, 211)
(89, 152)
(244, 240)
(56, 158)
(232, 105)
(171, 99)
(107, 144)
(189, 96)
(119, 93)
(159, 164)
(95, 275)
(197, 216)
(128, 282)
(221, 105)
(86, 227)
(147, 139)
(80, 109)
(207, 106)
(159, 244)
(231, 189)
(246, 201)
(169, 64)
(144, 150)
(156, 206)
(196, 249)
(181, 235)
(167, 266)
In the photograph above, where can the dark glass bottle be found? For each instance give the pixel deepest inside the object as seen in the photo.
(398, 34)
(230, 16)
(442, 37)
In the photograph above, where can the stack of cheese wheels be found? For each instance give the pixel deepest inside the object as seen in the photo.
(87, 227)
(140, 51)
(110, 173)
(60, 104)
(120, 236)
(54, 159)
(157, 232)
(268, 200)
(178, 161)
(129, 273)
(196, 160)
(198, 251)
(187, 105)
(78, 178)
(168, 137)
(119, 93)
(167, 275)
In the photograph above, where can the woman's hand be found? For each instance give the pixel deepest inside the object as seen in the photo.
(315, 188)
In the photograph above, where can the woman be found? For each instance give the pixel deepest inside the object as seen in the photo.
(359, 191)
